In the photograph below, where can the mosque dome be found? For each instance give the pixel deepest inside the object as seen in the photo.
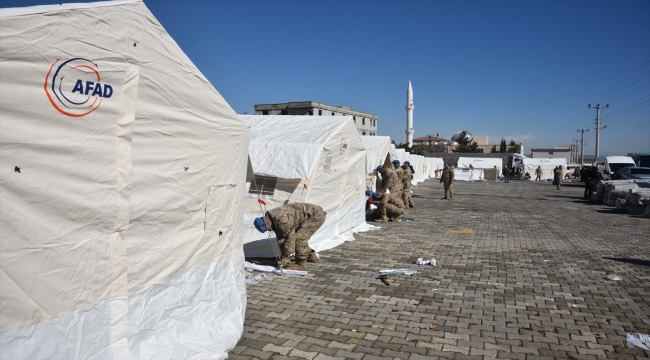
(457, 135)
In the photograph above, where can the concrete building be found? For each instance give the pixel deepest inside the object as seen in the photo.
(366, 123)
(441, 145)
(555, 153)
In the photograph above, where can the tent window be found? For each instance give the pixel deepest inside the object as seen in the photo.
(263, 185)
(333, 113)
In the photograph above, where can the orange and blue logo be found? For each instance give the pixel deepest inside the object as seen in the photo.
(74, 87)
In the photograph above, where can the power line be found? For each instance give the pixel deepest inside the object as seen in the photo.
(630, 91)
(632, 118)
(622, 115)
(625, 107)
(623, 81)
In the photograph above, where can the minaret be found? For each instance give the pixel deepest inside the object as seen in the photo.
(409, 115)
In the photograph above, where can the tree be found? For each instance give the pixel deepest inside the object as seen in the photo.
(465, 144)
(494, 149)
(514, 147)
(502, 147)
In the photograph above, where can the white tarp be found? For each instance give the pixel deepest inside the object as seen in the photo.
(437, 164)
(468, 175)
(123, 173)
(481, 163)
(547, 165)
(401, 155)
(378, 152)
(331, 148)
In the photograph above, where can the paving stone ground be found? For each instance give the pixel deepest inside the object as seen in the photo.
(522, 273)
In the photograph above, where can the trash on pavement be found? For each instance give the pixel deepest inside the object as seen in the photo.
(432, 327)
(421, 261)
(406, 219)
(614, 277)
(256, 279)
(639, 340)
(407, 273)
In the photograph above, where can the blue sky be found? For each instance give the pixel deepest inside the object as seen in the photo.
(523, 70)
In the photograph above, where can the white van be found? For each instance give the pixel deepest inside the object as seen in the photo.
(607, 165)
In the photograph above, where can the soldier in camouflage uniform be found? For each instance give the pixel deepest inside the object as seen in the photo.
(406, 182)
(388, 205)
(294, 224)
(447, 178)
(390, 180)
(398, 169)
(557, 174)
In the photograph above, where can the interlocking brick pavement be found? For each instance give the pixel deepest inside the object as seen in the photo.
(521, 274)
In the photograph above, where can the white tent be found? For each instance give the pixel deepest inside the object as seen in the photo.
(547, 165)
(314, 159)
(378, 152)
(479, 164)
(437, 164)
(401, 155)
(123, 174)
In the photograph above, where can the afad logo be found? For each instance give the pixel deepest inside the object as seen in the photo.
(74, 87)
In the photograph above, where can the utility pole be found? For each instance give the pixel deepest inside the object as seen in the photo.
(582, 146)
(598, 107)
(575, 151)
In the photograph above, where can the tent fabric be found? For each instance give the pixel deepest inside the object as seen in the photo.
(547, 165)
(123, 222)
(336, 182)
(468, 175)
(378, 149)
(437, 164)
(481, 163)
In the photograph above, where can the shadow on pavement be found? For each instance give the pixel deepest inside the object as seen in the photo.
(630, 261)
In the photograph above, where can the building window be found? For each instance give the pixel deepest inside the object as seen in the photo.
(550, 153)
(265, 112)
(284, 112)
(364, 133)
(320, 112)
(263, 185)
(363, 121)
(333, 113)
(311, 112)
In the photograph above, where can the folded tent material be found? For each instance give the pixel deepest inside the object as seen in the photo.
(319, 160)
(121, 234)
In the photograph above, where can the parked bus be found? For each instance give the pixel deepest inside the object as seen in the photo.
(640, 159)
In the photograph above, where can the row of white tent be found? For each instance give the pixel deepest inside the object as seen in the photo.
(129, 186)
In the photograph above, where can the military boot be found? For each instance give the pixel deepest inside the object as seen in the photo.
(285, 260)
(312, 258)
(397, 218)
(299, 265)
(382, 219)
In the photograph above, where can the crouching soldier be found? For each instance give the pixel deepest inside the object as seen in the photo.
(388, 205)
(391, 180)
(293, 224)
